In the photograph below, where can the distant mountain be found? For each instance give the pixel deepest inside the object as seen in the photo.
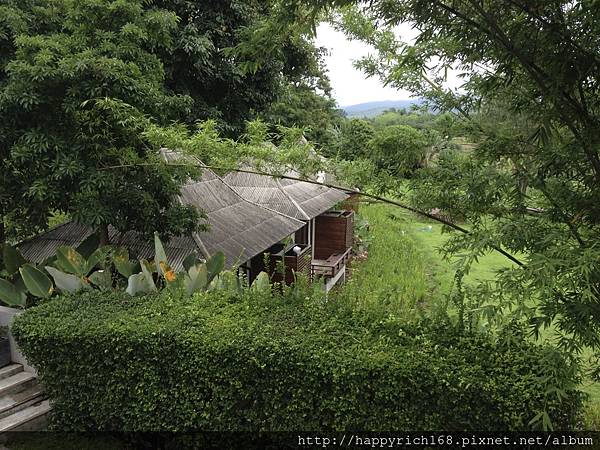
(372, 109)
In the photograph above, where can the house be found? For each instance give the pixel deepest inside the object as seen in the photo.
(257, 221)
(237, 227)
(328, 231)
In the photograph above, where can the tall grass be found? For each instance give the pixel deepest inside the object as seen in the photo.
(393, 280)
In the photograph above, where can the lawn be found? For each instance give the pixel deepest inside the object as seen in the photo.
(405, 272)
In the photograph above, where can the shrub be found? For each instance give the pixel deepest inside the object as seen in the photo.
(271, 362)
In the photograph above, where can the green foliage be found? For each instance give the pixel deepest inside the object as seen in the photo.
(13, 291)
(353, 141)
(80, 82)
(72, 272)
(36, 282)
(269, 361)
(399, 149)
(392, 280)
(301, 106)
(11, 295)
(532, 185)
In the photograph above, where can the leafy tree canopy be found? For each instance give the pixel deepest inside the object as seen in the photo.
(80, 81)
(400, 149)
(531, 93)
(78, 84)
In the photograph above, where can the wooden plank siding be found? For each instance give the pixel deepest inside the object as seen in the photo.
(333, 233)
(293, 264)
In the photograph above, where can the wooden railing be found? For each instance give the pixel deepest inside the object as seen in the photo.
(293, 263)
(330, 267)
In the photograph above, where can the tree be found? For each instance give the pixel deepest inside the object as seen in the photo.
(79, 82)
(354, 138)
(197, 64)
(534, 67)
(537, 62)
(305, 97)
(398, 149)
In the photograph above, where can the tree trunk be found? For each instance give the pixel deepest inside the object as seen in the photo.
(103, 234)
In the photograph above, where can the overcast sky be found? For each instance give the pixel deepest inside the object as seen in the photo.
(350, 86)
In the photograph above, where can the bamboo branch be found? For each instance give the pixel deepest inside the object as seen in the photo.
(329, 185)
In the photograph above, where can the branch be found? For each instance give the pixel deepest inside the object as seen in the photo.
(538, 75)
(329, 185)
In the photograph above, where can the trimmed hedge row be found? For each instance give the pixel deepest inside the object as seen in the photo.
(115, 362)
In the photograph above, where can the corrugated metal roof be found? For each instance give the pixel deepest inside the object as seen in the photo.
(239, 228)
(72, 234)
(265, 191)
(299, 199)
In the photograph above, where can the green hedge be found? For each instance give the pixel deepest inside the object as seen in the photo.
(114, 362)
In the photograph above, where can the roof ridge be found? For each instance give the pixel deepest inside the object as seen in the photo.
(296, 204)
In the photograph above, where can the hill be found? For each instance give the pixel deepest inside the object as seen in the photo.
(372, 109)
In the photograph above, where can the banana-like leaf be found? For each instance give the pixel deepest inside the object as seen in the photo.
(160, 256)
(190, 261)
(12, 259)
(122, 263)
(147, 271)
(17, 280)
(168, 273)
(89, 245)
(98, 256)
(262, 282)
(214, 265)
(70, 261)
(136, 284)
(36, 281)
(196, 279)
(226, 281)
(102, 279)
(65, 281)
(140, 283)
(11, 295)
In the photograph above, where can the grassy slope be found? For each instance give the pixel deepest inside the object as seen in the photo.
(419, 274)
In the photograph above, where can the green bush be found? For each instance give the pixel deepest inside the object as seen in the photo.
(213, 362)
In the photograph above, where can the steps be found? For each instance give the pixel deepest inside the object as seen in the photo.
(23, 405)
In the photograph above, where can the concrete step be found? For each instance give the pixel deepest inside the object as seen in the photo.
(29, 418)
(16, 383)
(9, 370)
(17, 401)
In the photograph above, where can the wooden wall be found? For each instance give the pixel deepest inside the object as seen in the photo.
(333, 234)
(298, 264)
